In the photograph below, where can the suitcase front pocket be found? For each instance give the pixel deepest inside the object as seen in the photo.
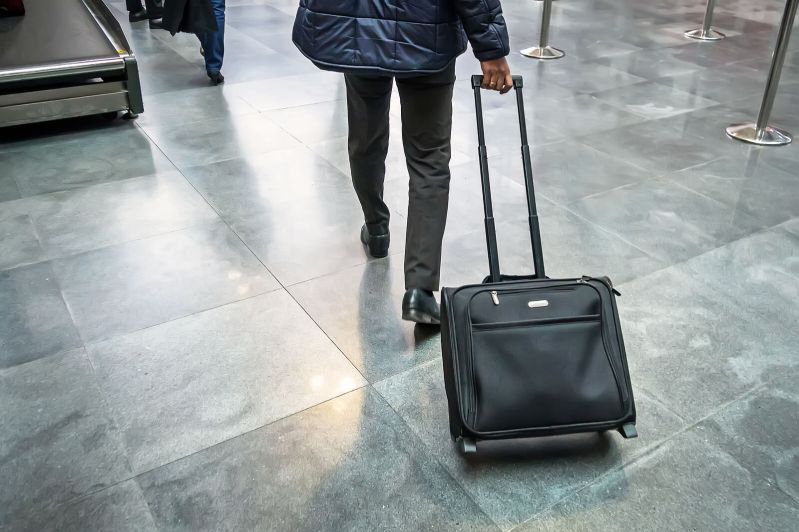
(542, 373)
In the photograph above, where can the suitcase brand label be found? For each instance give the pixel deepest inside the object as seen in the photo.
(538, 304)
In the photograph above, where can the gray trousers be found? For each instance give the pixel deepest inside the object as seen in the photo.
(426, 136)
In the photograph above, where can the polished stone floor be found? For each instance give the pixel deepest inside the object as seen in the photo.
(192, 338)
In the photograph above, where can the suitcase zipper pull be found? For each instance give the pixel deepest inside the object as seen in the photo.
(495, 297)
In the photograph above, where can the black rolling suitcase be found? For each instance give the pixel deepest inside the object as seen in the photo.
(531, 356)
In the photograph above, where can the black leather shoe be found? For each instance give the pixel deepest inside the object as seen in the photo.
(420, 306)
(156, 24)
(138, 16)
(377, 244)
(216, 77)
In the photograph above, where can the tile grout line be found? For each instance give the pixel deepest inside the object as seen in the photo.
(134, 476)
(277, 280)
(430, 454)
(648, 451)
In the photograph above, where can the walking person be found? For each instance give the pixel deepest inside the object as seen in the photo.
(212, 44)
(376, 44)
(206, 19)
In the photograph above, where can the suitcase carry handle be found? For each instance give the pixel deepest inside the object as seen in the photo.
(491, 232)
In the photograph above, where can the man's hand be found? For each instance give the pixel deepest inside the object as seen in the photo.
(496, 75)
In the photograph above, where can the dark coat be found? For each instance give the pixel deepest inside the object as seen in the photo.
(398, 37)
(189, 16)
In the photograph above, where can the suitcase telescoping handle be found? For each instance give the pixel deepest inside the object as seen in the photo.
(491, 232)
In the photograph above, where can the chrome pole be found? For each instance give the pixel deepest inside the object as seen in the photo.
(706, 32)
(760, 132)
(543, 50)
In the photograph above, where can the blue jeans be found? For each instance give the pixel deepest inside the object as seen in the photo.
(213, 42)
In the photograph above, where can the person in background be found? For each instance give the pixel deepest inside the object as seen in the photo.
(153, 12)
(212, 44)
(415, 43)
(206, 19)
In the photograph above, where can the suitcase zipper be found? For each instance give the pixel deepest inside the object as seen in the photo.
(495, 297)
(604, 280)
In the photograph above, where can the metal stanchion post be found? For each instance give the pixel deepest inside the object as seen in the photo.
(706, 32)
(761, 133)
(543, 50)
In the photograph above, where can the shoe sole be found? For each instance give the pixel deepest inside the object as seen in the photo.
(419, 317)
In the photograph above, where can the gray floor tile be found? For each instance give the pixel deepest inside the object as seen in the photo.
(762, 433)
(694, 347)
(119, 508)
(586, 77)
(649, 64)
(8, 189)
(35, 323)
(710, 125)
(685, 485)
(19, 243)
(653, 100)
(760, 273)
(581, 115)
(172, 397)
(317, 236)
(259, 65)
(756, 189)
(266, 15)
(360, 469)
(166, 71)
(279, 182)
(57, 441)
(313, 123)
(514, 480)
(124, 288)
(93, 217)
(785, 158)
(699, 335)
(590, 47)
(652, 38)
(722, 84)
(698, 53)
(565, 179)
(653, 146)
(792, 227)
(360, 310)
(292, 91)
(666, 220)
(207, 142)
(572, 247)
(64, 164)
(191, 105)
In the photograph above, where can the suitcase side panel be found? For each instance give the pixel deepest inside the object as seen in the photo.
(449, 353)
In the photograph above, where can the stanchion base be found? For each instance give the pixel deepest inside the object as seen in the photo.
(547, 52)
(702, 35)
(770, 136)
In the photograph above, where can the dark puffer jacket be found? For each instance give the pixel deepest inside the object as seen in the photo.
(398, 37)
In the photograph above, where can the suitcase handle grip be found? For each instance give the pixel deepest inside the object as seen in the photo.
(477, 81)
(488, 209)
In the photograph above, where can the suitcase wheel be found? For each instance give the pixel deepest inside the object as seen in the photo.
(628, 431)
(466, 445)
